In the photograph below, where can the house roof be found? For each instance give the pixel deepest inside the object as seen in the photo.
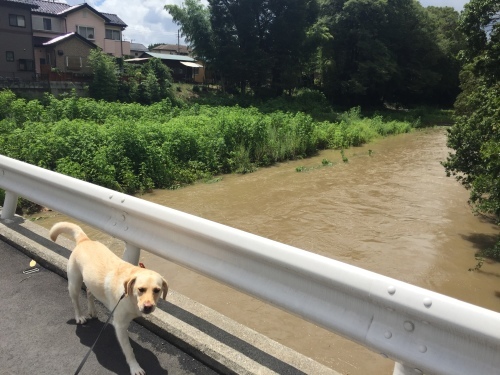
(173, 47)
(138, 47)
(113, 19)
(166, 56)
(48, 7)
(19, 3)
(65, 37)
(61, 9)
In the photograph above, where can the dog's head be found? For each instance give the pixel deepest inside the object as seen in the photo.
(146, 286)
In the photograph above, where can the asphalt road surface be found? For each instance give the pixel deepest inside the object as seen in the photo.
(38, 333)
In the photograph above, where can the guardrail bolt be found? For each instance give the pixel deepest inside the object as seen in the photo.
(427, 302)
(391, 289)
(422, 348)
(409, 326)
(388, 334)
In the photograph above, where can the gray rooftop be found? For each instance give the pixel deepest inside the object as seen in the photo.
(59, 9)
(138, 47)
(48, 7)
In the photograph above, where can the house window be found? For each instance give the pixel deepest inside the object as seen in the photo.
(9, 56)
(113, 34)
(17, 20)
(86, 32)
(74, 62)
(26, 65)
(47, 24)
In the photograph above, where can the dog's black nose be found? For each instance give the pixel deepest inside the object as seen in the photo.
(147, 309)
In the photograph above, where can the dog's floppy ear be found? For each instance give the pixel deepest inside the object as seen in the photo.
(164, 289)
(129, 286)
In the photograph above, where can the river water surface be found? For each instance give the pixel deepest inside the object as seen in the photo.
(390, 209)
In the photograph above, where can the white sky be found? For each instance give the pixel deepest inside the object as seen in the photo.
(148, 22)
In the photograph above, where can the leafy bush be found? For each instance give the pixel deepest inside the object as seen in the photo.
(132, 147)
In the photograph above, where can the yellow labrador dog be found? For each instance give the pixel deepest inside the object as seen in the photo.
(108, 278)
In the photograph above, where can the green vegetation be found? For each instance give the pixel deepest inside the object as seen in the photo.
(133, 148)
(114, 80)
(475, 137)
(357, 52)
(258, 44)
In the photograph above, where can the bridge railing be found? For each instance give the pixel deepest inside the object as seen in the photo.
(423, 331)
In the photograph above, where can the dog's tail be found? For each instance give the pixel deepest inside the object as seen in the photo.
(68, 228)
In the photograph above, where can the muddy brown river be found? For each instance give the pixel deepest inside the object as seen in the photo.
(390, 209)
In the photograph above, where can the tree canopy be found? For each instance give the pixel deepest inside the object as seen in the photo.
(255, 43)
(475, 137)
(111, 81)
(390, 50)
(355, 51)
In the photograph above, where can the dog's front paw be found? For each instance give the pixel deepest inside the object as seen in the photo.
(80, 319)
(135, 369)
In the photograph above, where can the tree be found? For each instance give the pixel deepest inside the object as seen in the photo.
(104, 83)
(411, 39)
(450, 41)
(385, 51)
(362, 64)
(146, 84)
(475, 137)
(248, 42)
(194, 19)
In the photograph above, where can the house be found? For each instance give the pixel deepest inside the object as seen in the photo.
(183, 68)
(137, 49)
(50, 20)
(68, 54)
(172, 49)
(16, 41)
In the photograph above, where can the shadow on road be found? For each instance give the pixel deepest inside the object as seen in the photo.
(108, 351)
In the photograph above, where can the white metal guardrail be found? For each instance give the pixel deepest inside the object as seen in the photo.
(423, 331)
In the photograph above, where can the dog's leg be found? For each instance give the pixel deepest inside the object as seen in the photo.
(91, 305)
(121, 330)
(75, 281)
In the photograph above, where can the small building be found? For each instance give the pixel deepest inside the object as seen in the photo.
(67, 54)
(183, 68)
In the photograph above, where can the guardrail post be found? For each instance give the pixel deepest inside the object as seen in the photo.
(400, 369)
(131, 254)
(9, 205)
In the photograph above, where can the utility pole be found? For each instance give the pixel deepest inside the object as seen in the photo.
(178, 41)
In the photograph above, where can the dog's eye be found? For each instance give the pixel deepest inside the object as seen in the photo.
(142, 290)
(156, 290)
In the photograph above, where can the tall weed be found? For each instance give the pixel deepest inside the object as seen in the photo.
(132, 147)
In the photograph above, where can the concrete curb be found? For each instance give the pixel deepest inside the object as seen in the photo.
(215, 340)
